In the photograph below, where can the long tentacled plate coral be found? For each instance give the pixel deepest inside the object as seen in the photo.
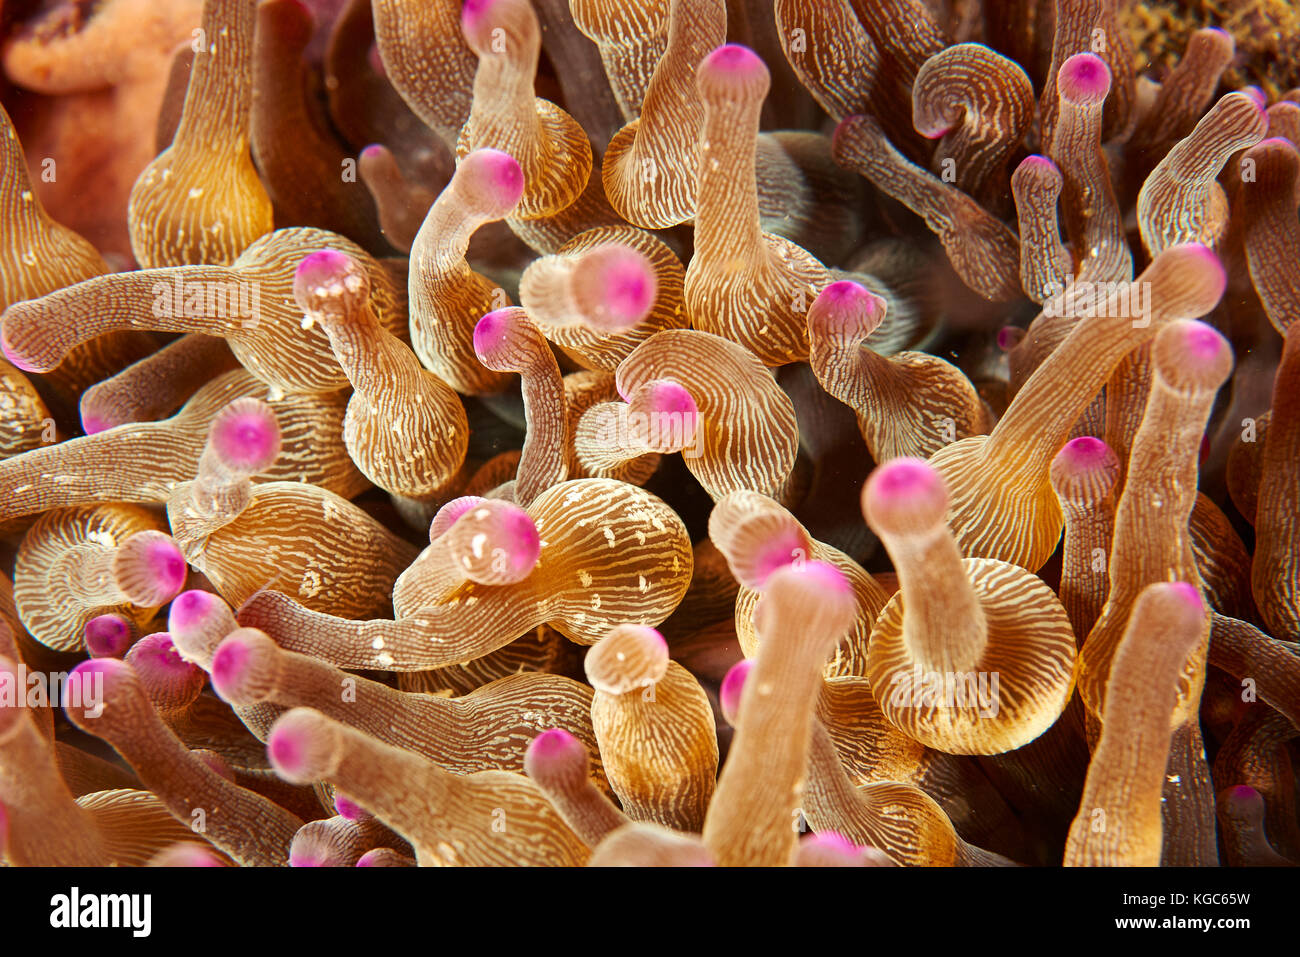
(636, 432)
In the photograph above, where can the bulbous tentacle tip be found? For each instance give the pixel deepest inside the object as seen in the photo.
(846, 310)
(384, 857)
(150, 568)
(1038, 164)
(496, 336)
(666, 415)
(15, 356)
(733, 59)
(1189, 594)
(330, 283)
(1083, 78)
(446, 516)
(732, 687)
(553, 744)
(1244, 798)
(494, 177)
(1201, 342)
(628, 657)
(348, 808)
(1191, 356)
(89, 684)
(245, 436)
(1255, 93)
(1192, 274)
(495, 542)
(241, 665)
(1009, 337)
(830, 849)
(556, 758)
(92, 424)
(1087, 452)
(732, 70)
(107, 636)
(904, 495)
(1179, 604)
(194, 609)
(1278, 143)
(801, 580)
(620, 285)
(665, 396)
(480, 19)
(301, 746)
(156, 659)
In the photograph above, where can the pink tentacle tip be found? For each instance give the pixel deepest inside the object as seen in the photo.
(321, 266)
(228, 665)
(492, 333)
(786, 548)
(904, 481)
(1202, 343)
(820, 576)
(1280, 143)
(373, 149)
(83, 693)
(447, 515)
(629, 289)
(1087, 452)
(553, 745)
(1189, 593)
(733, 685)
(1084, 78)
(667, 397)
(1244, 795)
(734, 60)
(498, 174)
(92, 424)
(186, 854)
(522, 542)
(1009, 337)
(167, 566)
(1037, 161)
(191, 609)
(247, 440)
(846, 308)
(107, 636)
(288, 748)
(1204, 257)
(1256, 94)
(348, 808)
(157, 654)
(474, 14)
(832, 841)
(15, 357)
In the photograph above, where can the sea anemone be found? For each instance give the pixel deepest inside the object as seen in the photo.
(823, 433)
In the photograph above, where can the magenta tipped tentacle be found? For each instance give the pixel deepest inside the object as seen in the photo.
(170, 681)
(108, 636)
